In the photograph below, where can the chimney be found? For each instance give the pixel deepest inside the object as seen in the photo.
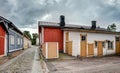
(93, 25)
(62, 20)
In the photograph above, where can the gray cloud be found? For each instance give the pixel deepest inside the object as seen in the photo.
(26, 13)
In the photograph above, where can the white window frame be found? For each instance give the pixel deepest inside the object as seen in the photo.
(12, 39)
(18, 42)
(110, 45)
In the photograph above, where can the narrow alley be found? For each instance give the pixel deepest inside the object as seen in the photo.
(20, 64)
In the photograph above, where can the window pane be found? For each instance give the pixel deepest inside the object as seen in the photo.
(110, 45)
(83, 38)
(96, 44)
(103, 44)
(117, 39)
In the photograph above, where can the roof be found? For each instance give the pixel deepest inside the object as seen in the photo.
(26, 36)
(3, 25)
(10, 24)
(74, 27)
(53, 24)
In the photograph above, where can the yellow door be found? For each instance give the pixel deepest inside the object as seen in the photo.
(90, 50)
(117, 45)
(83, 46)
(70, 48)
(67, 39)
(100, 48)
(66, 47)
(52, 50)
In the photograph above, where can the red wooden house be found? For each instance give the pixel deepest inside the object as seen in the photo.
(51, 37)
(51, 34)
(3, 38)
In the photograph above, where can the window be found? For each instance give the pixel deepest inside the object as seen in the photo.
(96, 44)
(12, 40)
(21, 42)
(117, 39)
(110, 45)
(83, 38)
(18, 41)
(103, 44)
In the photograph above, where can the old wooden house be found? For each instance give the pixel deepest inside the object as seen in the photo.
(13, 38)
(75, 40)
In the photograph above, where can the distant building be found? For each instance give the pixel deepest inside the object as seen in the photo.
(76, 40)
(27, 42)
(12, 39)
(37, 41)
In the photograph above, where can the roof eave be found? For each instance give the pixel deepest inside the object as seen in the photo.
(91, 31)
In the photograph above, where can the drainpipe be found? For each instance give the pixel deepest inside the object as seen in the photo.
(23, 42)
(8, 42)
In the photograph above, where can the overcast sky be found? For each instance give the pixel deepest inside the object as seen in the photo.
(25, 14)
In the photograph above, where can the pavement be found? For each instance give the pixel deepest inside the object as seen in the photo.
(110, 64)
(36, 68)
(27, 62)
(30, 62)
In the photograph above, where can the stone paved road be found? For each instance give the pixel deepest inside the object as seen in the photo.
(91, 65)
(22, 64)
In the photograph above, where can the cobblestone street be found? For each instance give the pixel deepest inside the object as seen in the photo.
(21, 64)
(88, 65)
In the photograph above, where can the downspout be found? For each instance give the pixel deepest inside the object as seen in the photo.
(8, 42)
(23, 41)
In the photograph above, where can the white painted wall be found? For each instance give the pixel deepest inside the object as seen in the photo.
(91, 37)
(37, 41)
(75, 38)
(5, 50)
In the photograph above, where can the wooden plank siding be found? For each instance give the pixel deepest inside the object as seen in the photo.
(100, 48)
(91, 49)
(54, 35)
(15, 40)
(117, 45)
(68, 44)
(2, 40)
(67, 39)
(44, 49)
(69, 47)
(52, 50)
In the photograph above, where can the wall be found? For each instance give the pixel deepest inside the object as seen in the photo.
(2, 40)
(91, 37)
(27, 43)
(37, 41)
(15, 46)
(54, 35)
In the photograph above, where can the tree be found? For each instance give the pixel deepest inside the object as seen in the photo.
(111, 27)
(34, 36)
(27, 33)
